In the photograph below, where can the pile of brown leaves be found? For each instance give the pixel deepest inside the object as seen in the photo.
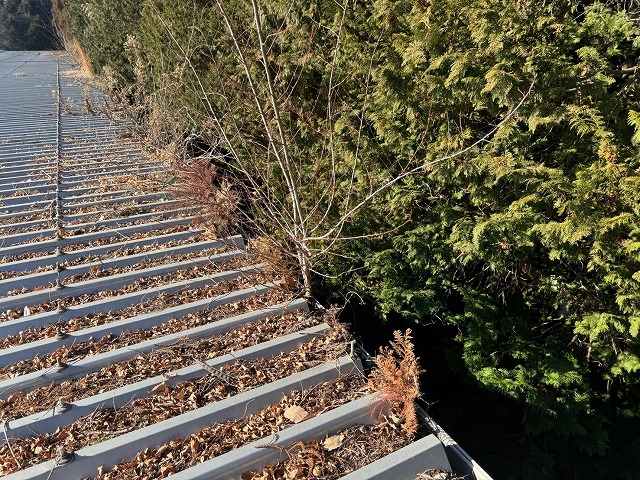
(440, 475)
(179, 275)
(211, 442)
(155, 303)
(77, 351)
(96, 243)
(99, 272)
(111, 254)
(337, 455)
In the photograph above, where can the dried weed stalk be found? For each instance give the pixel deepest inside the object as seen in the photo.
(224, 209)
(396, 378)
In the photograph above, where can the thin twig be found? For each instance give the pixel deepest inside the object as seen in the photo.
(6, 437)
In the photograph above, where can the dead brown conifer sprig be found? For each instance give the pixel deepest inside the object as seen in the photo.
(395, 376)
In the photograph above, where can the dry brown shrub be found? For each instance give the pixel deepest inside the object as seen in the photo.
(163, 135)
(200, 185)
(395, 376)
(276, 264)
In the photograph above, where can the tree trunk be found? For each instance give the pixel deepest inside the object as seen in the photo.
(305, 268)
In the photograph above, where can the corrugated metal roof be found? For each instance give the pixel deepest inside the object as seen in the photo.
(114, 305)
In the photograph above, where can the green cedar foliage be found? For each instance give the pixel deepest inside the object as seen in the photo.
(317, 89)
(529, 245)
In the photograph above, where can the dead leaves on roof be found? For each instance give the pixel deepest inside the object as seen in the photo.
(218, 439)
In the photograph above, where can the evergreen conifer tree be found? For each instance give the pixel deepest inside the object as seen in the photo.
(26, 25)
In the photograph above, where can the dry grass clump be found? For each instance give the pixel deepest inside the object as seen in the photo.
(85, 68)
(395, 376)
